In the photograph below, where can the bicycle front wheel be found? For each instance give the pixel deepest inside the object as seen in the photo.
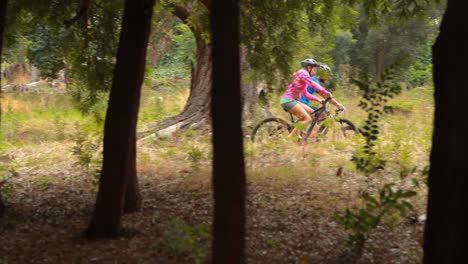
(341, 128)
(270, 129)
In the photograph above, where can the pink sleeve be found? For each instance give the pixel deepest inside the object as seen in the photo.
(318, 88)
(305, 76)
(310, 96)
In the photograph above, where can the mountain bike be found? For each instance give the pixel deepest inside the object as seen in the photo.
(332, 126)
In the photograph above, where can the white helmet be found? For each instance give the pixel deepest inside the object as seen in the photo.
(309, 62)
(325, 67)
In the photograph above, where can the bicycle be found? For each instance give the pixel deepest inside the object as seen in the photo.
(274, 128)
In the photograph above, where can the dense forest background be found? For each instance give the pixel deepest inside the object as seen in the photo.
(86, 81)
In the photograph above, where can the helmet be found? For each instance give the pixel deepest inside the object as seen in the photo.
(324, 72)
(325, 67)
(309, 62)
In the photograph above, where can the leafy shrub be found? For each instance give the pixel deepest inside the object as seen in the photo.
(388, 204)
(361, 221)
(85, 148)
(195, 156)
(7, 172)
(182, 239)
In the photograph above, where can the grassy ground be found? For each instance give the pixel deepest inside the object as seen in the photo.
(294, 190)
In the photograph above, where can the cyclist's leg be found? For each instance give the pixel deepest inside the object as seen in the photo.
(302, 112)
(315, 129)
(310, 110)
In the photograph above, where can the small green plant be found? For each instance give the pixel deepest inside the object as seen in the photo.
(60, 127)
(44, 181)
(195, 155)
(84, 150)
(361, 221)
(405, 160)
(183, 239)
(272, 243)
(7, 172)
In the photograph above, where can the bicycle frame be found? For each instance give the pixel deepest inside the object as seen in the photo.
(316, 115)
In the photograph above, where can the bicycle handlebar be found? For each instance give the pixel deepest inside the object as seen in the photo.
(324, 102)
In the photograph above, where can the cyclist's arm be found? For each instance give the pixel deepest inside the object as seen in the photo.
(318, 88)
(326, 94)
(310, 96)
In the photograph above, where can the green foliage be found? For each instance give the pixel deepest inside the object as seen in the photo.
(86, 47)
(85, 148)
(180, 58)
(274, 31)
(8, 170)
(43, 182)
(420, 72)
(44, 50)
(183, 239)
(374, 99)
(361, 221)
(387, 205)
(401, 10)
(195, 156)
(92, 103)
(386, 37)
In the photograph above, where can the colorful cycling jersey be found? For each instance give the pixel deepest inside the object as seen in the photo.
(298, 87)
(310, 90)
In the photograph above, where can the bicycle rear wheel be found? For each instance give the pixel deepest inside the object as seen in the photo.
(270, 129)
(339, 129)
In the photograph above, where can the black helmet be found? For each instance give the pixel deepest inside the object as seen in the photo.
(309, 62)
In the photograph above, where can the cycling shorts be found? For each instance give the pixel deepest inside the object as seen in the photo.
(288, 104)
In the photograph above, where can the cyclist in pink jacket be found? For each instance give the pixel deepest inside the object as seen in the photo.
(290, 100)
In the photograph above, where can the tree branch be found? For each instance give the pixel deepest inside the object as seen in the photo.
(180, 12)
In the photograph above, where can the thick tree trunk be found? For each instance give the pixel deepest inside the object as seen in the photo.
(228, 157)
(198, 103)
(133, 198)
(118, 169)
(3, 6)
(445, 231)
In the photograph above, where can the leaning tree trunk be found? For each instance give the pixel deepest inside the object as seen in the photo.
(197, 107)
(121, 119)
(3, 6)
(445, 231)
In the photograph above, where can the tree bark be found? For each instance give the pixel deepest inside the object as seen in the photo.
(228, 156)
(198, 103)
(118, 170)
(445, 230)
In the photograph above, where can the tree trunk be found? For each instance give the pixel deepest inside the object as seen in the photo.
(445, 230)
(118, 170)
(133, 198)
(228, 156)
(198, 103)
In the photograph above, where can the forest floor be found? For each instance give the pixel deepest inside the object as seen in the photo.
(293, 191)
(290, 213)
